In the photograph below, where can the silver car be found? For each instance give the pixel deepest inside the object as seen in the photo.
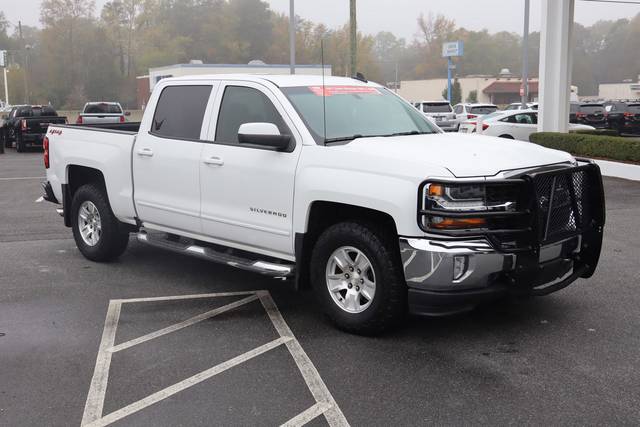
(101, 113)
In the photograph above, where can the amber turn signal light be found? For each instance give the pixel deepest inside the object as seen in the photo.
(457, 223)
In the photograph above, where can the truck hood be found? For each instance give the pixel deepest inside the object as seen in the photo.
(462, 155)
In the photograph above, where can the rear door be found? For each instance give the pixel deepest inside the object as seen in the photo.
(247, 192)
(166, 158)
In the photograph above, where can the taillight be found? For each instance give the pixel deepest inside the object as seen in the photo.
(581, 115)
(79, 120)
(45, 146)
(121, 119)
(23, 125)
(471, 116)
(485, 126)
(629, 115)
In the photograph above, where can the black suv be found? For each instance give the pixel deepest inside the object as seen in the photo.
(623, 116)
(588, 114)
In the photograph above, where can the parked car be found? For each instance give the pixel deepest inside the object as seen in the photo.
(518, 106)
(513, 124)
(440, 111)
(465, 112)
(623, 116)
(26, 125)
(591, 114)
(366, 199)
(102, 112)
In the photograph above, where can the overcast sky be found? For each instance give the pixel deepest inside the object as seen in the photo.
(397, 16)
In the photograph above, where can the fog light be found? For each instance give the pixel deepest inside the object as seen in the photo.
(460, 264)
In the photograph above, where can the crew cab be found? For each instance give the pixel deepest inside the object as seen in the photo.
(336, 183)
(26, 125)
(101, 112)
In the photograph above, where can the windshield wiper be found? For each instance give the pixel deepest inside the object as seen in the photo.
(356, 136)
(412, 132)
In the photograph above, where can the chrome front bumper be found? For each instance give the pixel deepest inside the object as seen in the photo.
(447, 265)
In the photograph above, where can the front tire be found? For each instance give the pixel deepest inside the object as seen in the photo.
(98, 233)
(357, 276)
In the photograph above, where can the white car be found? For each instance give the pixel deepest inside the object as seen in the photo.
(440, 112)
(465, 112)
(101, 113)
(339, 184)
(512, 124)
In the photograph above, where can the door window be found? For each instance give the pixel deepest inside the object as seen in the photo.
(242, 105)
(180, 112)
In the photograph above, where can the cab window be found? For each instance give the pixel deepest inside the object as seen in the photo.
(240, 105)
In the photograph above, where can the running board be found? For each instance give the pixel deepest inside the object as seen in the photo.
(266, 268)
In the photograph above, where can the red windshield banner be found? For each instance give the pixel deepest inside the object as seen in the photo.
(343, 90)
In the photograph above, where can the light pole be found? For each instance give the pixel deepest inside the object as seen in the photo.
(292, 38)
(353, 27)
(525, 56)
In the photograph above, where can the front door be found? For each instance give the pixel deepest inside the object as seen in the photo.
(247, 192)
(166, 160)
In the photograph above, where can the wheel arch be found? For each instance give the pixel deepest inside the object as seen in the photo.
(323, 214)
(77, 176)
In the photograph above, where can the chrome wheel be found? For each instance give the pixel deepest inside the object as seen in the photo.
(350, 278)
(89, 223)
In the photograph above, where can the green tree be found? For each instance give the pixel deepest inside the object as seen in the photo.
(472, 98)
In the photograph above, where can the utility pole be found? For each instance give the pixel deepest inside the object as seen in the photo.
(292, 38)
(353, 27)
(525, 56)
(24, 65)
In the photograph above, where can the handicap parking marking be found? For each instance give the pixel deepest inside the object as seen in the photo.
(39, 200)
(93, 413)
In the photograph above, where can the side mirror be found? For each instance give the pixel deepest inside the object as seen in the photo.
(263, 134)
(127, 113)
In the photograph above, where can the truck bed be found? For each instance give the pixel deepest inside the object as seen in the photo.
(103, 147)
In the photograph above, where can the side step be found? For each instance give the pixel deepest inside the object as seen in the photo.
(267, 268)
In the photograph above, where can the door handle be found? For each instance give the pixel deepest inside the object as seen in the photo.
(214, 161)
(148, 152)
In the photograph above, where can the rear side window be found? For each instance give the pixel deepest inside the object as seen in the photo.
(436, 107)
(180, 111)
(245, 105)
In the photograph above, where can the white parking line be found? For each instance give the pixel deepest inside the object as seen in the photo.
(39, 200)
(185, 384)
(21, 178)
(308, 415)
(92, 416)
(184, 324)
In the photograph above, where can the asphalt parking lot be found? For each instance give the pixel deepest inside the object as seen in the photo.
(569, 358)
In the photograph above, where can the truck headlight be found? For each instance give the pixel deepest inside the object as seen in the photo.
(453, 206)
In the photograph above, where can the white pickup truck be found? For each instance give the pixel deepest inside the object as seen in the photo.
(339, 184)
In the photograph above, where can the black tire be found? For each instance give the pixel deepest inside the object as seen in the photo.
(389, 303)
(114, 237)
(20, 148)
(505, 136)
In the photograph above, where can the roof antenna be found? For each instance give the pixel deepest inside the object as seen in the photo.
(324, 104)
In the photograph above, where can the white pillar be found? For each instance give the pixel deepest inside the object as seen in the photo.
(556, 41)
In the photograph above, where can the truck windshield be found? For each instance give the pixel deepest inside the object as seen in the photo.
(355, 111)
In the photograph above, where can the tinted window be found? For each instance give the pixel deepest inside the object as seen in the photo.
(458, 109)
(485, 109)
(180, 111)
(634, 108)
(102, 108)
(592, 109)
(245, 105)
(574, 108)
(436, 107)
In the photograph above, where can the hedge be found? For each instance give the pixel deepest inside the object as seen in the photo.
(600, 132)
(606, 147)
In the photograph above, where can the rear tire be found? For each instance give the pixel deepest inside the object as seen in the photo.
(98, 233)
(354, 307)
(20, 147)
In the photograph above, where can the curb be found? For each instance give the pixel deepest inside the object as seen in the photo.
(619, 170)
